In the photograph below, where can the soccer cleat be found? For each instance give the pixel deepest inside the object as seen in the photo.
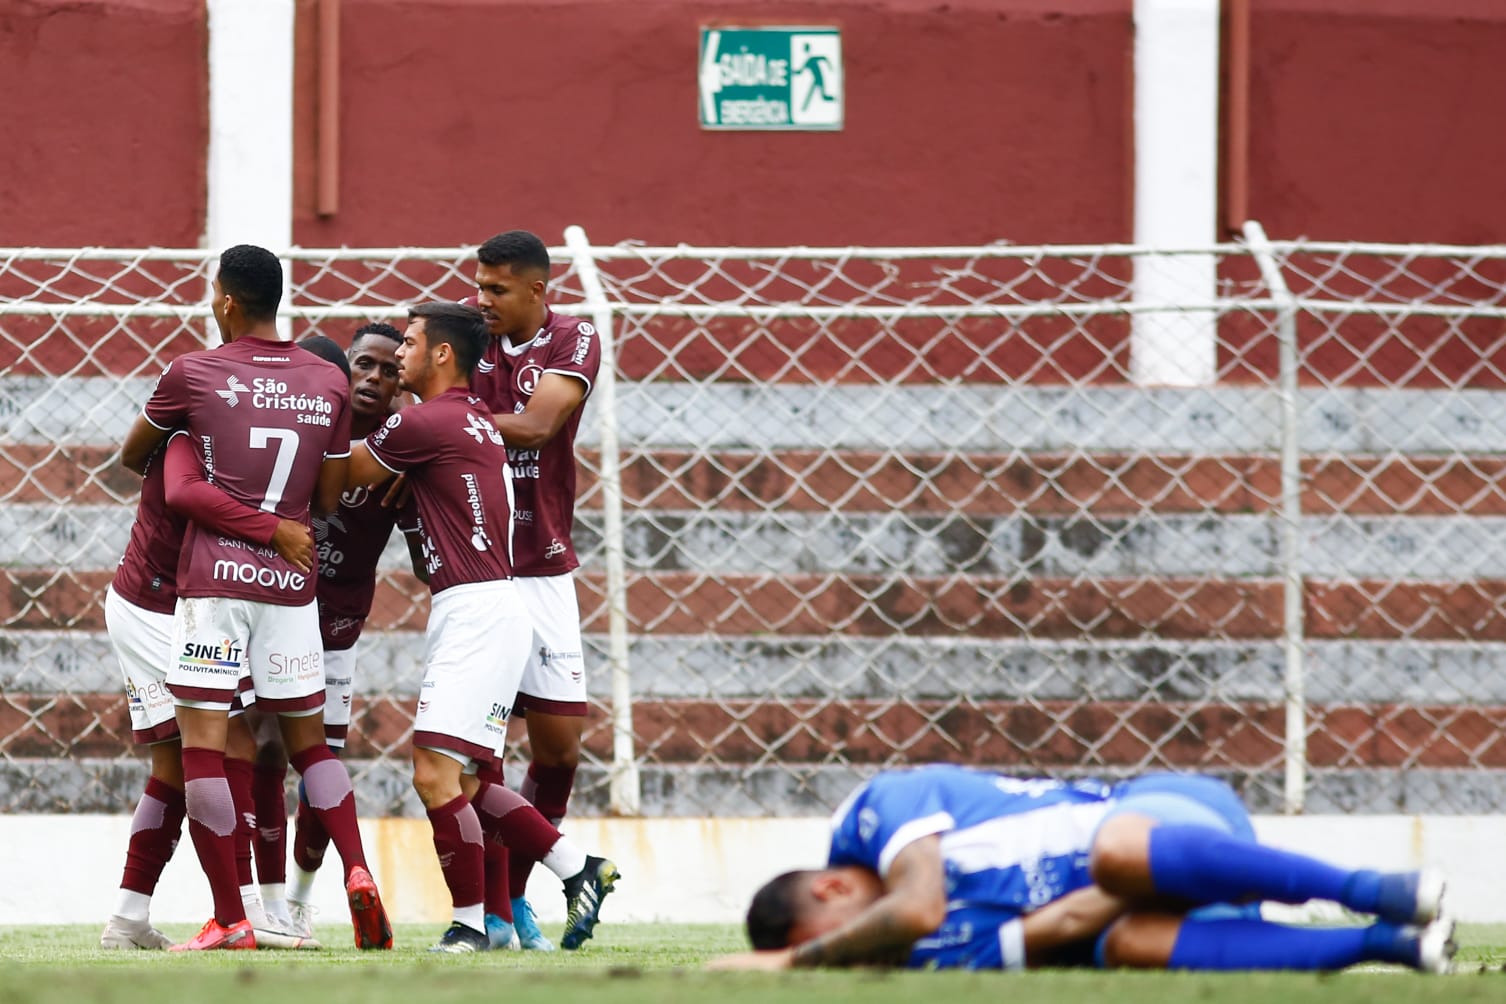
(1411, 897)
(214, 935)
(276, 928)
(1436, 947)
(526, 923)
(122, 933)
(366, 914)
(583, 896)
(500, 934)
(459, 940)
(302, 916)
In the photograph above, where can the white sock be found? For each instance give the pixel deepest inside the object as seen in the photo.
(249, 894)
(564, 858)
(273, 894)
(473, 917)
(132, 905)
(301, 889)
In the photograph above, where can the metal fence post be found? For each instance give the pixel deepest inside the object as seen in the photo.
(624, 794)
(1295, 790)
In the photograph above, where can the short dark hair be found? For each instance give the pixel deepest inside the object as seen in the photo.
(772, 912)
(327, 349)
(517, 249)
(252, 275)
(381, 328)
(456, 325)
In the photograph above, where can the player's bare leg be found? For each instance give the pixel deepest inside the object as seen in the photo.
(327, 784)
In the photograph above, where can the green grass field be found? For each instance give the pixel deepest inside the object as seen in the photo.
(651, 964)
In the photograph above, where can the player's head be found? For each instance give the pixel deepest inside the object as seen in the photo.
(373, 369)
(247, 289)
(444, 341)
(797, 906)
(326, 349)
(512, 271)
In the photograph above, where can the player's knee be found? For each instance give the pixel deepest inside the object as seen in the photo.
(1119, 861)
(1139, 941)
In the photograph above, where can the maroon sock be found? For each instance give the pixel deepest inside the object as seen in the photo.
(211, 825)
(506, 815)
(498, 880)
(310, 839)
(326, 784)
(271, 843)
(498, 859)
(458, 842)
(548, 788)
(155, 828)
(238, 774)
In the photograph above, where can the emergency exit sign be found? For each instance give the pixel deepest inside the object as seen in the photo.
(771, 78)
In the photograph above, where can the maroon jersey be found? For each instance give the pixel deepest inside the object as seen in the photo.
(263, 415)
(147, 574)
(457, 467)
(543, 479)
(350, 542)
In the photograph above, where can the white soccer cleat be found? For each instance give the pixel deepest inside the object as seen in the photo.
(1436, 947)
(275, 928)
(132, 934)
(1430, 889)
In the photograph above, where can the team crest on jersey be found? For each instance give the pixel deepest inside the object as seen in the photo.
(868, 823)
(233, 391)
(352, 498)
(528, 378)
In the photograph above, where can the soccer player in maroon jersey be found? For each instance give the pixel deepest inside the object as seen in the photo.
(478, 633)
(271, 427)
(535, 375)
(139, 618)
(351, 541)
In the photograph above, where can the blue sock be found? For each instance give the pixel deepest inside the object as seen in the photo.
(1257, 944)
(1203, 865)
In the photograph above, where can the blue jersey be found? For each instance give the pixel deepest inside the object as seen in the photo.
(1008, 845)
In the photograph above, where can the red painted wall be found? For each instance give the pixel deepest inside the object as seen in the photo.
(1379, 120)
(104, 114)
(966, 122)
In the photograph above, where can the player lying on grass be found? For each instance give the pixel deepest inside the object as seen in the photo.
(952, 868)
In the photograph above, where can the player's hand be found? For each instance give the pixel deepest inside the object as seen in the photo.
(753, 961)
(294, 542)
(398, 495)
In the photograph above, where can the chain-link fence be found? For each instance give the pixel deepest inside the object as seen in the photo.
(1083, 510)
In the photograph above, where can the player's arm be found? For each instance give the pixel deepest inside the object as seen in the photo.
(365, 468)
(333, 474)
(189, 492)
(912, 906)
(554, 400)
(140, 443)
(1082, 913)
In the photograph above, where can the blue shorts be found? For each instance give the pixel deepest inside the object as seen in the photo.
(1183, 800)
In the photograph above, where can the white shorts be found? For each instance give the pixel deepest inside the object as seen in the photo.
(474, 650)
(143, 644)
(339, 692)
(554, 681)
(218, 642)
